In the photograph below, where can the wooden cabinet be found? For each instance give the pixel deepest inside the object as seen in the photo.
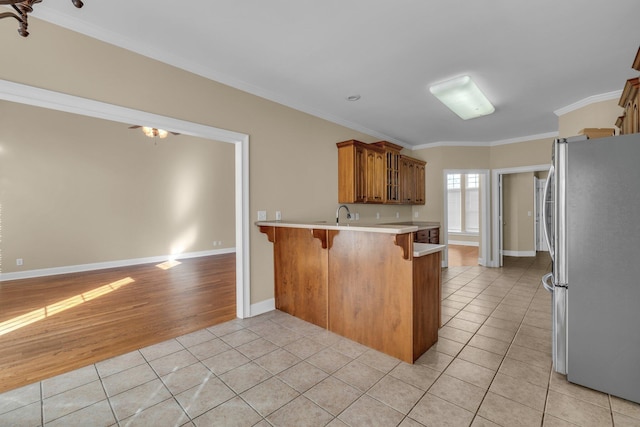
(420, 171)
(629, 122)
(378, 173)
(364, 286)
(392, 171)
(430, 235)
(412, 176)
(301, 283)
(361, 170)
(374, 172)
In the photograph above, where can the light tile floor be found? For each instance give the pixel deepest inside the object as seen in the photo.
(490, 367)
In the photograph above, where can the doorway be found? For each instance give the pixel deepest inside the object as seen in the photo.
(466, 216)
(30, 95)
(497, 235)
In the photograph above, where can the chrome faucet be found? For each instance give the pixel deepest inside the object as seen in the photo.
(338, 213)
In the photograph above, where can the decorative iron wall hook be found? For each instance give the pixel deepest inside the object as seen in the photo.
(23, 8)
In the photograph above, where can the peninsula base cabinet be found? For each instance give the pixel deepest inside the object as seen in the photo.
(300, 281)
(364, 286)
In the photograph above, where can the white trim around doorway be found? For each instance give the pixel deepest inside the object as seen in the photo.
(29, 95)
(496, 174)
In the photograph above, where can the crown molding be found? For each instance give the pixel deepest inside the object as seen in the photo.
(588, 101)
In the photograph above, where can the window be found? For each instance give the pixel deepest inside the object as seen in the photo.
(472, 203)
(463, 212)
(454, 205)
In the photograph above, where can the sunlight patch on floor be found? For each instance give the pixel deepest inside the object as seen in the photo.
(60, 306)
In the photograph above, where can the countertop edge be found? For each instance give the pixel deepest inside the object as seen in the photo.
(321, 225)
(422, 249)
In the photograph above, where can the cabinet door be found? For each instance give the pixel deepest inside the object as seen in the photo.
(360, 174)
(419, 184)
(352, 163)
(434, 236)
(374, 176)
(392, 178)
(407, 177)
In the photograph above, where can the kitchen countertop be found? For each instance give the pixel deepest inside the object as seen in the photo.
(422, 225)
(395, 228)
(400, 227)
(422, 249)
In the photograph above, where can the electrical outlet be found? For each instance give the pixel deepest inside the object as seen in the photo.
(397, 214)
(416, 214)
(219, 242)
(19, 261)
(262, 215)
(278, 215)
(357, 216)
(377, 215)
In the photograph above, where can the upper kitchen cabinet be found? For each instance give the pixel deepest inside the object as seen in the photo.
(360, 173)
(629, 122)
(412, 173)
(378, 173)
(392, 171)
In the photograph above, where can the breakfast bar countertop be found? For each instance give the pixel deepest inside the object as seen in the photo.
(422, 249)
(389, 228)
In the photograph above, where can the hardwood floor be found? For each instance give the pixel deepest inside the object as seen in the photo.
(51, 325)
(460, 255)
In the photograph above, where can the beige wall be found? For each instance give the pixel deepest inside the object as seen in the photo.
(598, 115)
(78, 190)
(438, 160)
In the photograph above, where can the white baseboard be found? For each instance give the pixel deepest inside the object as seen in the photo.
(263, 307)
(27, 274)
(462, 243)
(519, 253)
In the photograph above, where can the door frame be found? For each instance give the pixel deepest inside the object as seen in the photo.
(485, 198)
(29, 95)
(496, 190)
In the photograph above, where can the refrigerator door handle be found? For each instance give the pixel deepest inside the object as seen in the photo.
(546, 282)
(545, 221)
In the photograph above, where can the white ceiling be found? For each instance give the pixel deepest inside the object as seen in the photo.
(531, 58)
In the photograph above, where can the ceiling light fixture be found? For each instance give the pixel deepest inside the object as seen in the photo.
(153, 132)
(353, 97)
(23, 8)
(463, 97)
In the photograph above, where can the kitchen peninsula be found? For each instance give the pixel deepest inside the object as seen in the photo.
(369, 283)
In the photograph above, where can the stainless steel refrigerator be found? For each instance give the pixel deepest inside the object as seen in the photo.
(592, 224)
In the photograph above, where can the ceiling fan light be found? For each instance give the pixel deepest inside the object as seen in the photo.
(462, 96)
(149, 131)
(162, 133)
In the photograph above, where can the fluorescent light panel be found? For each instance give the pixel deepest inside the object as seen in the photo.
(463, 97)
